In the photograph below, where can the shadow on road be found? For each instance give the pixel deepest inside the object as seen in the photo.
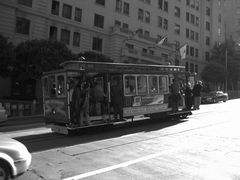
(48, 141)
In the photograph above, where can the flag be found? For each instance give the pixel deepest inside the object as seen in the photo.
(183, 51)
(161, 41)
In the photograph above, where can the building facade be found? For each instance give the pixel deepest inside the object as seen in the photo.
(124, 30)
(232, 23)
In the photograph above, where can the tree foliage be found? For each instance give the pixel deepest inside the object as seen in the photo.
(94, 57)
(224, 63)
(36, 56)
(7, 56)
(214, 72)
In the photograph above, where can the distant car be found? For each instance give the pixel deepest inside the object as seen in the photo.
(15, 159)
(3, 114)
(214, 97)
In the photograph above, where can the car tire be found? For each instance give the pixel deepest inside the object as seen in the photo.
(4, 171)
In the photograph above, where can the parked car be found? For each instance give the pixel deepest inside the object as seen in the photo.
(15, 158)
(214, 96)
(3, 114)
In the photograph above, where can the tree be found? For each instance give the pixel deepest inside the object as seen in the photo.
(214, 73)
(95, 57)
(36, 56)
(7, 56)
(222, 67)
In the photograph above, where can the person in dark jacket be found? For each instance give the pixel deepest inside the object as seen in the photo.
(188, 96)
(175, 95)
(117, 99)
(197, 94)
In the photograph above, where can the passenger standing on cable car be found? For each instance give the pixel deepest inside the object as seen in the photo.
(188, 96)
(84, 105)
(175, 95)
(117, 98)
(76, 103)
(100, 100)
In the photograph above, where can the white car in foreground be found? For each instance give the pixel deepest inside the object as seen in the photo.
(15, 159)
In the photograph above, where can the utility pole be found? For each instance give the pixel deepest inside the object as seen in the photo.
(226, 67)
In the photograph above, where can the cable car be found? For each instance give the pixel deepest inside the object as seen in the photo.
(85, 94)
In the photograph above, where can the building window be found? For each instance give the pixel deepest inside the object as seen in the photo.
(53, 33)
(188, 2)
(78, 14)
(147, 17)
(65, 36)
(191, 67)
(125, 26)
(196, 68)
(177, 11)
(140, 14)
(186, 66)
(67, 11)
(146, 33)
(160, 22)
(207, 11)
(208, 26)
(191, 51)
(76, 39)
(22, 25)
(117, 23)
(197, 5)
(177, 45)
(219, 18)
(187, 33)
(177, 29)
(126, 8)
(192, 20)
(101, 2)
(196, 53)
(97, 44)
(55, 7)
(119, 5)
(197, 21)
(208, 41)
(196, 36)
(187, 51)
(98, 21)
(207, 55)
(192, 35)
(165, 24)
(165, 6)
(25, 2)
(160, 4)
(187, 16)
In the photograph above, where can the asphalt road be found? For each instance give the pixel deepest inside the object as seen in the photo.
(204, 146)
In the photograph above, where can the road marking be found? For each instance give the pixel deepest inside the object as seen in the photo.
(117, 166)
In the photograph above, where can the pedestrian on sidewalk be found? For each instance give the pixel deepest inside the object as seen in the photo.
(197, 94)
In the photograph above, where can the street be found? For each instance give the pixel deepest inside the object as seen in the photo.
(206, 145)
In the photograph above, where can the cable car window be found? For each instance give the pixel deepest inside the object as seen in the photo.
(45, 87)
(52, 86)
(163, 84)
(60, 85)
(153, 84)
(142, 84)
(130, 85)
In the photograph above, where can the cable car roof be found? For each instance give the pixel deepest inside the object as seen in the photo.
(125, 68)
